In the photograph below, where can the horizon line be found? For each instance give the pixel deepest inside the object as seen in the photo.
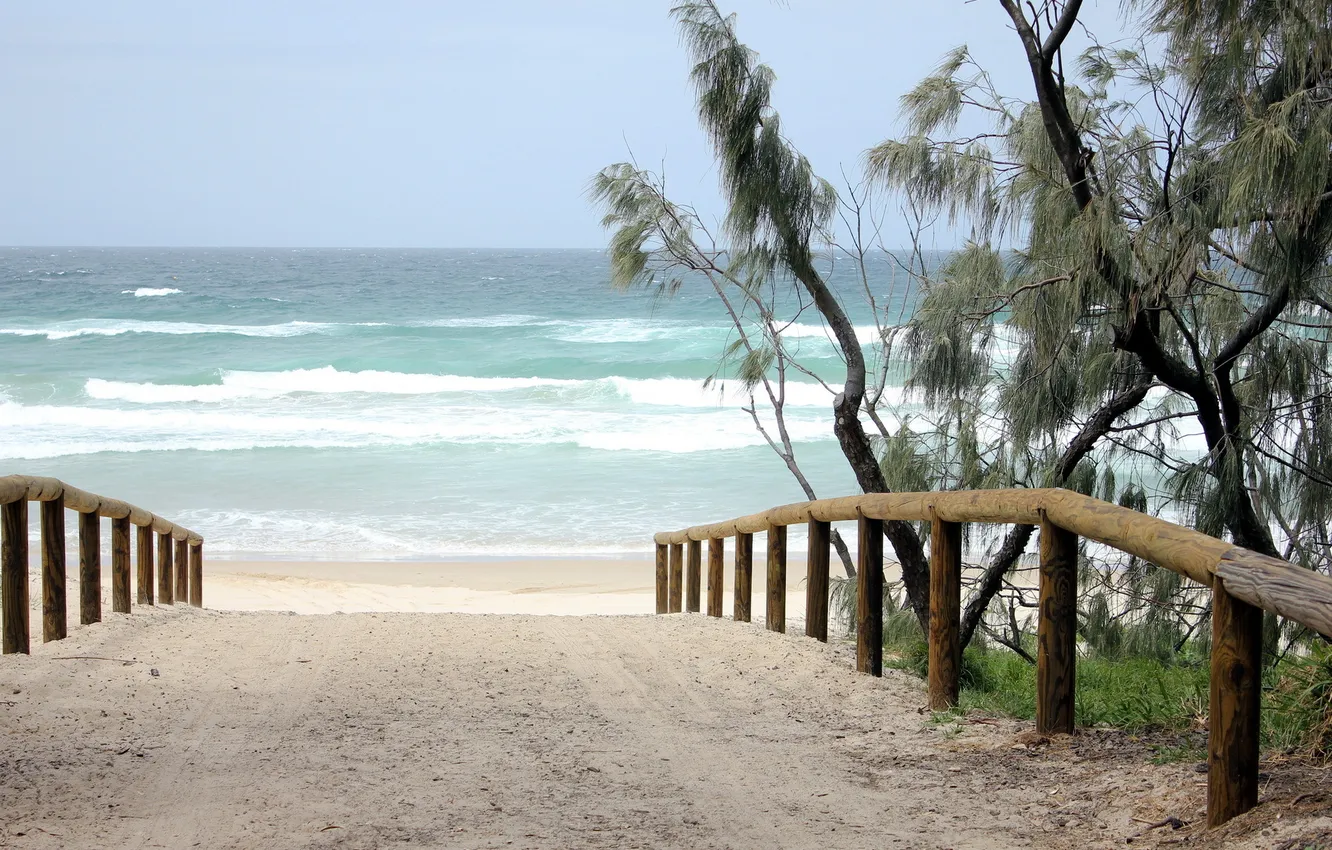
(602, 250)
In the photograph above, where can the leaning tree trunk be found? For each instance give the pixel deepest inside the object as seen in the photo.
(856, 447)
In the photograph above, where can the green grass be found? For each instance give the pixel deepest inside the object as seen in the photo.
(1140, 677)
(1134, 694)
(1140, 695)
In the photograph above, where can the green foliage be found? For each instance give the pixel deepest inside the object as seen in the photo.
(900, 625)
(1298, 703)
(1133, 694)
(775, 199)
(1209, 222)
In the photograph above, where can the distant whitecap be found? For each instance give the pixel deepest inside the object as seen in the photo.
(150, 292)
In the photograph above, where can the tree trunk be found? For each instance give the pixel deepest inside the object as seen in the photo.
(856, 447)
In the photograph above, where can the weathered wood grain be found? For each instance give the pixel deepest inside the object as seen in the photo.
(1233, 721)
(1056, 630)
(776, 609)
(945, 651)
(55, 608)
(869, 597)
(145, 572)
(36, 488)
(693, 575)
(816, 580)
(716, 575)
(196, 575)
(744, 577)
(677, 577)
(120, 565)
(663, 578)
(182, 562)
(1172, 546)
(14, 575)
(1282, 588)
(90, 568)
(166, 587)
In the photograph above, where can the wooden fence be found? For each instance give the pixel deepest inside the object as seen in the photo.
(1243, 585)
(178, 549)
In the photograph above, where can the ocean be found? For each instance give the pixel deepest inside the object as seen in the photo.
(397, 404)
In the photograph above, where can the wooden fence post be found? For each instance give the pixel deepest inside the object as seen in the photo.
(14, 574)
(1056, 630)
(945, 612)
(145, 535)
(677, 577)
(54, 605)
(165, 587)
(693, 575)
(744, 576)
(776, 611)
(1232, 739)
(90, 568)
(716, 572)
(196, 575)
(182, 562)
(869, 597)
(120, 565)
(816, 580)
(663, 579)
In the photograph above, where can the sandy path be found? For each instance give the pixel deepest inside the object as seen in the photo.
(462, 731)
(375, 730)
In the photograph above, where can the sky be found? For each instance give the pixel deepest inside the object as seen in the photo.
(421, 124)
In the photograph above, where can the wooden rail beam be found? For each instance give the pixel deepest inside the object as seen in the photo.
(1244, 584)
(693, 575)
(120, 565)
(816, 580)
(55, 616)
(1236, 684)
(166, 588)
(945, 613)
(869, 597)
(90, 568)
(1056, 630)
(677, 577)
(34, 488)
(776, 610)
(663, 578)
(14, 575)
(744, 576)
(716, 574)
(196, 574)
(145, 577)
(182, 562)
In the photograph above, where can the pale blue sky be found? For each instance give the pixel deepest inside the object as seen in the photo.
(430, 124)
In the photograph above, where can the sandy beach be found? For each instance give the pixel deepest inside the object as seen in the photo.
(178, 727)
(536, 586)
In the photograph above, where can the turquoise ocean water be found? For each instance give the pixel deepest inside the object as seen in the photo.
(393, 404)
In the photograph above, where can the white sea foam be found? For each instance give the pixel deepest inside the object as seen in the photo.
(684, 392)
(309, 534)
(865, 334)
(503, 320)
(43, 431)
(116, 327)
(150, 292)
(613, 331)
(660, 392)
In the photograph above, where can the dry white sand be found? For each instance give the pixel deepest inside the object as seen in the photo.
(563, 586)
(178, 728)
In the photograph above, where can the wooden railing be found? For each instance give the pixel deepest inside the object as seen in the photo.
(1243, 585)
(55, 497)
